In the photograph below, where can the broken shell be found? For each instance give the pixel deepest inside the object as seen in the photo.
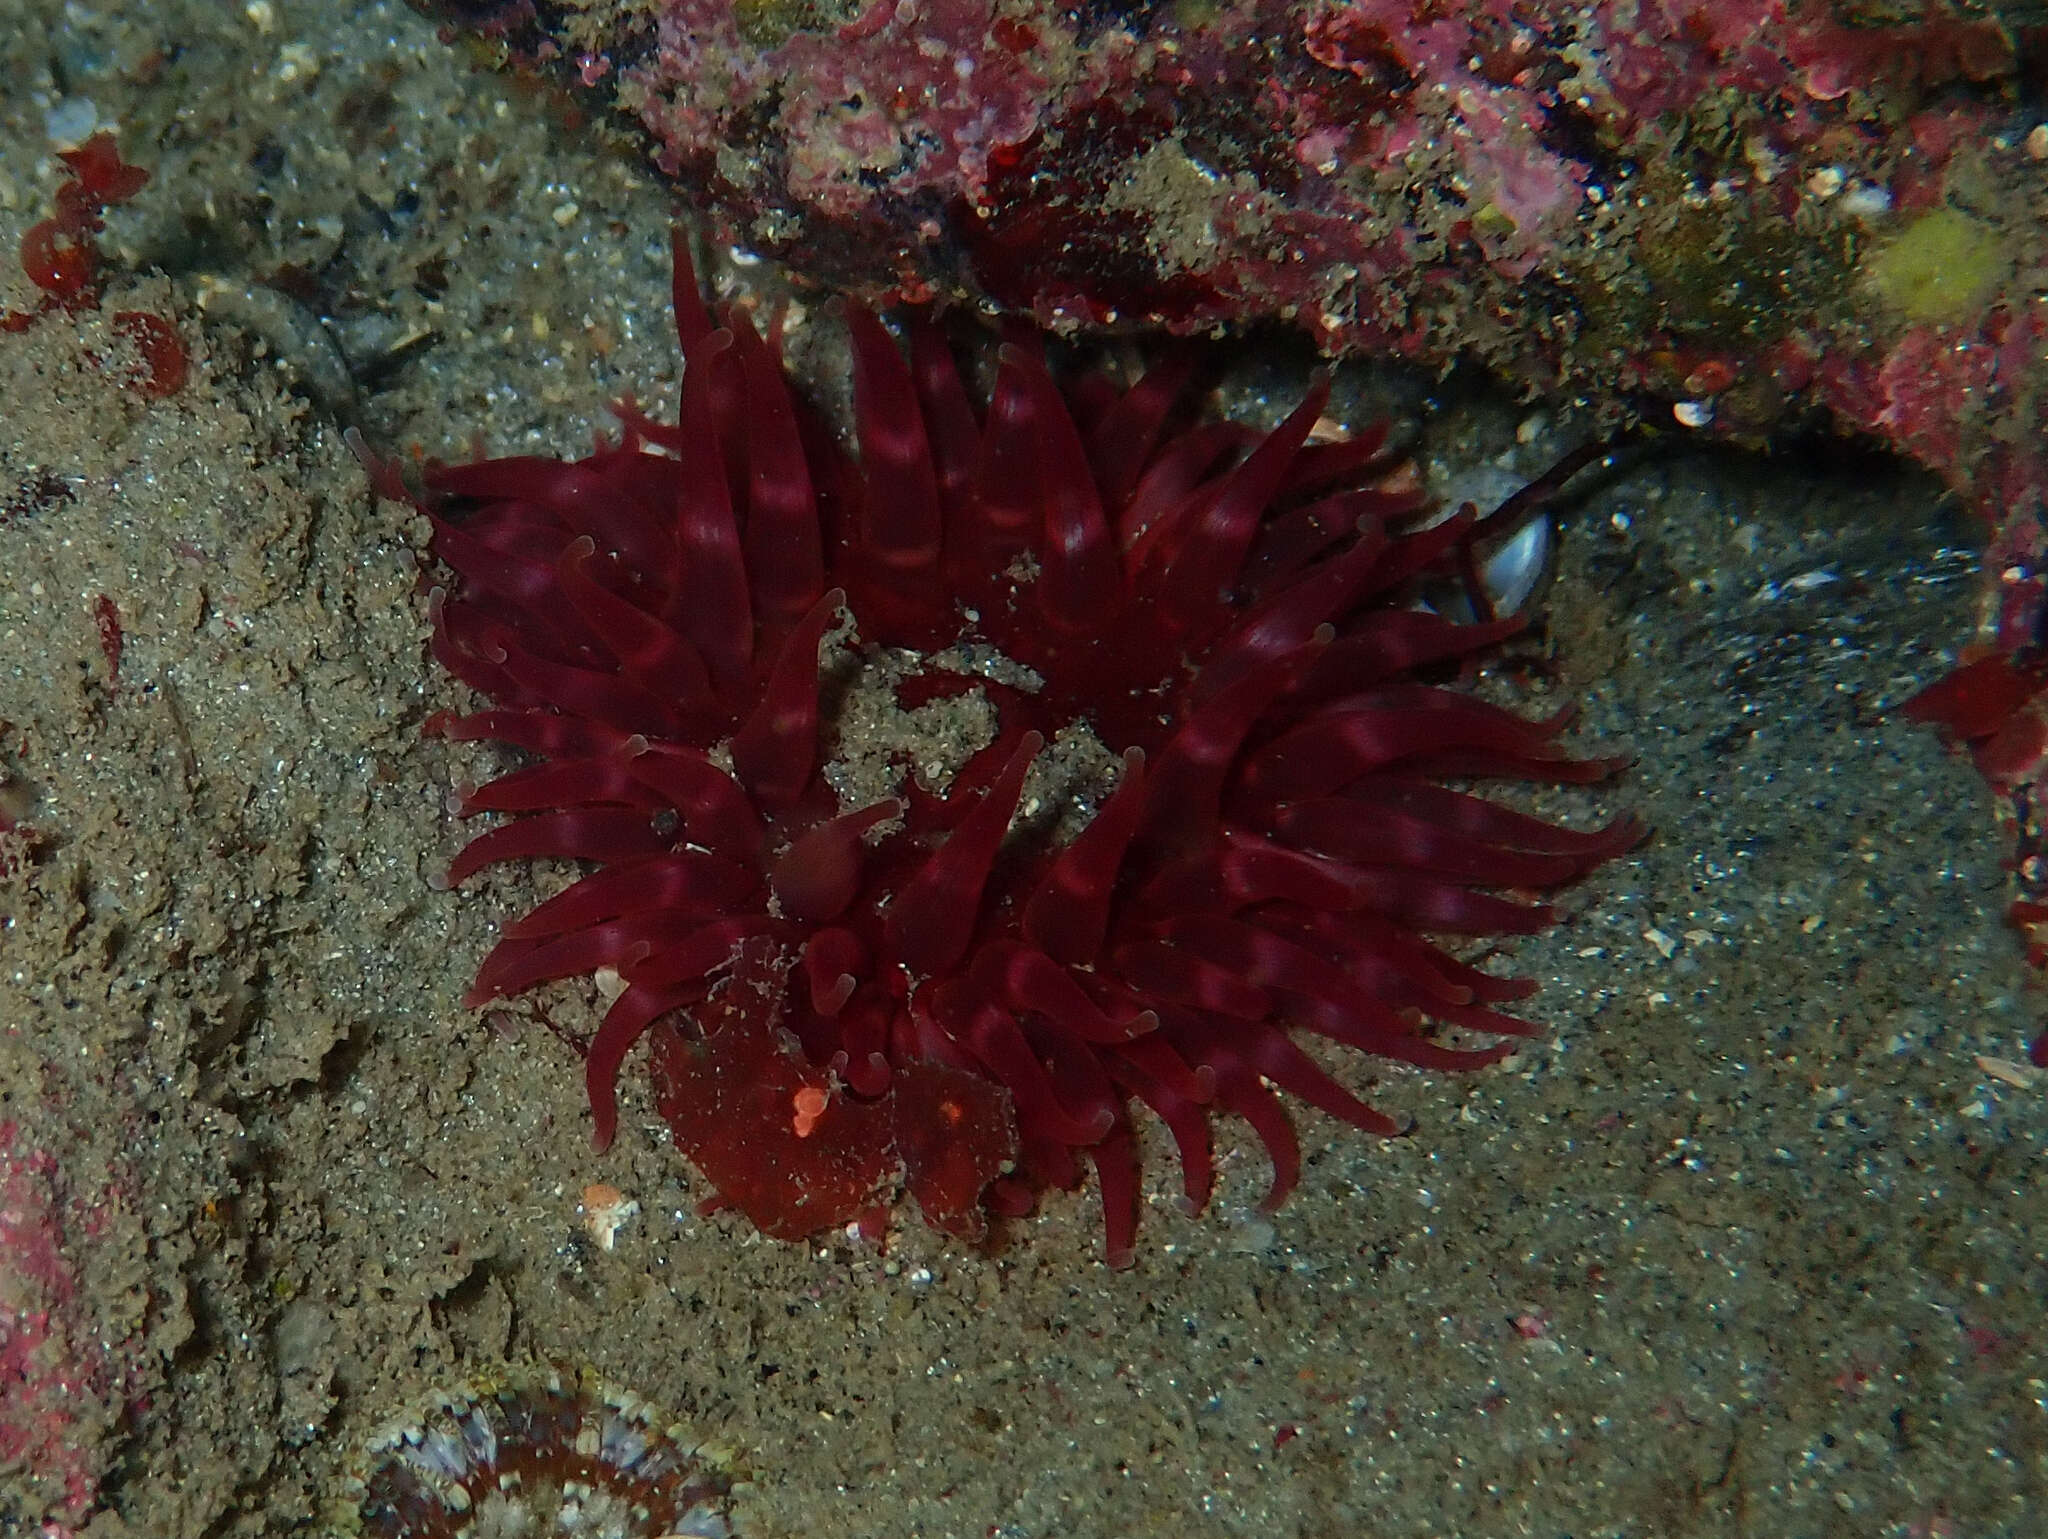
(605, 1210)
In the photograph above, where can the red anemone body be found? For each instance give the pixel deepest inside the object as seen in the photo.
(940, 982)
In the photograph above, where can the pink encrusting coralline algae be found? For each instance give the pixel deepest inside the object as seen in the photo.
(1736, 212)
(61, 1380)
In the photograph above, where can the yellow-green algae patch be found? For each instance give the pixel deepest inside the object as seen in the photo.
(1941, 267)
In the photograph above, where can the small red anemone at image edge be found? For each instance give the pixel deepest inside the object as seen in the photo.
(966, 990)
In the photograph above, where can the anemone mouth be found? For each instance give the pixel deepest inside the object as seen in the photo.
(957, 979)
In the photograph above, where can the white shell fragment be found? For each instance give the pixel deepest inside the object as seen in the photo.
(1512, 572)
(1510, 569)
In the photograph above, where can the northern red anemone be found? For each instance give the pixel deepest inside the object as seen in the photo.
(965, 987)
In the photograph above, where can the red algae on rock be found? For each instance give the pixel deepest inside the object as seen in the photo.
(61, 257)
(974, 985)
(60, 254)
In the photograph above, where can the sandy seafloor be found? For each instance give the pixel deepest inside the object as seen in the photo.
(1749, 1242)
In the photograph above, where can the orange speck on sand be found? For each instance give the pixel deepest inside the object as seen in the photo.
(810, 1106)
(606, 1210)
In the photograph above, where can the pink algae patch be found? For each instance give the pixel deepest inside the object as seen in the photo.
(55, 1375)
